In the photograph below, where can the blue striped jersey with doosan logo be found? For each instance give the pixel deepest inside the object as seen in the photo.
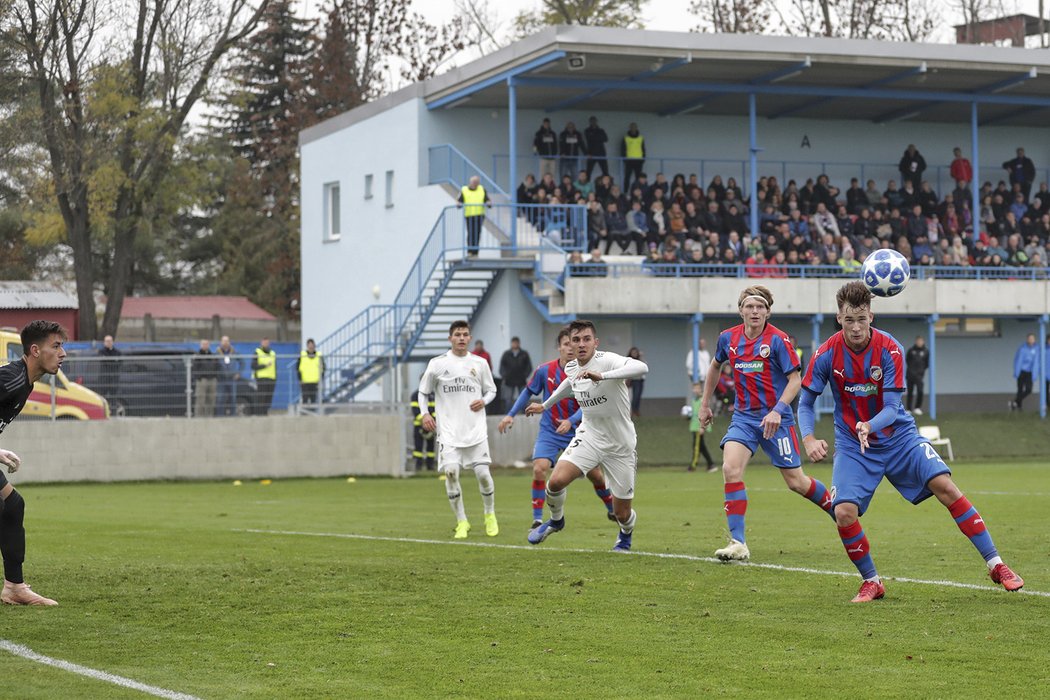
(859, 381)
(545, 380)
(760, 368)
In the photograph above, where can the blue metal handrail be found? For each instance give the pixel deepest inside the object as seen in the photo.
(660, 269)
(388, 330)
(448, 165)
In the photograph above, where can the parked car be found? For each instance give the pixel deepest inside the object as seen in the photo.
(72, 401)
(151, 380)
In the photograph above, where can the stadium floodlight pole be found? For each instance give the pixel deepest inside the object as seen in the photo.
(975, 187)
(1042, 365)
(931, 342)
(512, 174)
(695, 321)
(753, 147)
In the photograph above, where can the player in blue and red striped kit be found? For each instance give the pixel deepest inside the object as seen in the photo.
(557, 428)
(876, 437)
(766, 372)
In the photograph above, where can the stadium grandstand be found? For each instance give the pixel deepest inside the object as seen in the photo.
(724, 158)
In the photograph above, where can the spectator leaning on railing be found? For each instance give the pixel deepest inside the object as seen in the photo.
(473, 199)
(310, 368)
(206, 373)
(109, 373)
(264, 369)
(229, 375)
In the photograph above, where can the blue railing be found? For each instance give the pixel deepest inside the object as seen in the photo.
(449, 166)
(661, 269)
(391, 330)
(550, 264)
(838, 172)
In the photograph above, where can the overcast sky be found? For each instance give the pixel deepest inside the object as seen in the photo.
(674, 15)
(667, 15)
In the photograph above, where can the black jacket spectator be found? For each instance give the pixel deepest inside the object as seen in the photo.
(515, 366)
(1022, 172)
(856, 198)
(595, 139)
(545, 143)
(734, 221)
(912, 166)
(571, 142)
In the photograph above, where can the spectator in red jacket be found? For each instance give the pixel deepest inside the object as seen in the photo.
(480, 351)
(961, 169)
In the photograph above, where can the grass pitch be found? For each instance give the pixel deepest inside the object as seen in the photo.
(164, 584)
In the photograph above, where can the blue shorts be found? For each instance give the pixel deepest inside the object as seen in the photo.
(782, 448)
(549, 445)
(908, 466)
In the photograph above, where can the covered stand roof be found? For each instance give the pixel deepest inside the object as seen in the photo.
(670, 73)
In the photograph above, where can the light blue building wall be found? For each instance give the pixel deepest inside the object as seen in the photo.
(382, 225)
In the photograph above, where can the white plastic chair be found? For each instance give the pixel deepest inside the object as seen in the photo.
(933, 434)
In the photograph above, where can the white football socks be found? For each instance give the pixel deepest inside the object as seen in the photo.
(628, 527)
(487, 487)
(556, 503)
(455, 493)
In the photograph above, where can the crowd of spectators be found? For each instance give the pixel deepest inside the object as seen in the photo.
(682, 221)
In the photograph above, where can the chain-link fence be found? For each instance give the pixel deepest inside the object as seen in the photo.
(192, 385)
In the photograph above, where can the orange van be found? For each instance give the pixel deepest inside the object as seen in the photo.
(72, 401)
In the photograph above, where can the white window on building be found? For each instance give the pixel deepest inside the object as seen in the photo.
(389, 188)
(368, 186)
(332, 224)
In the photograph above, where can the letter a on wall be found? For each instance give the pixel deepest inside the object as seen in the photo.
(805, 141)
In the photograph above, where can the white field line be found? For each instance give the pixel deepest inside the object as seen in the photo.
(765, 489)
(658, 555)
(27, 653)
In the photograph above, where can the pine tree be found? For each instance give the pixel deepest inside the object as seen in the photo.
(260, 221)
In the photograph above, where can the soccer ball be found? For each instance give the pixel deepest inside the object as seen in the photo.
(886, 272)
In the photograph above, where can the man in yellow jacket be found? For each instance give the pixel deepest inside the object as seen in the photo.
(264, 366)
(311, 369)
(473, 199)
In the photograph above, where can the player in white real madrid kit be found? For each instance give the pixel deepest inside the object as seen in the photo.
(606, 436)
(462, 385)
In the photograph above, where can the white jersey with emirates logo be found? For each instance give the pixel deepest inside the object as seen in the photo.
(606, 404)
(456, 382)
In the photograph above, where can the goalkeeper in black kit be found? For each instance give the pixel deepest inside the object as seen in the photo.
(42, 354)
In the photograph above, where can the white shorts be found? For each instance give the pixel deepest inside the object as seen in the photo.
(464, 457)
(620, 468)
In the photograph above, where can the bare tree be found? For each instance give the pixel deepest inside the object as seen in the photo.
(112, 107)
(482, 24)
(891, 20)
(732, 16)
(595, 13)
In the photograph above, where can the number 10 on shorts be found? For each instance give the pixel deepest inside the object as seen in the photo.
(784, 446)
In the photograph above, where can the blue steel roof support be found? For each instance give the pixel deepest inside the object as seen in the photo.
(917, 70)
(766, 78)
(795, 90)
(677, 63)
(502, 77)
(990, 89)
